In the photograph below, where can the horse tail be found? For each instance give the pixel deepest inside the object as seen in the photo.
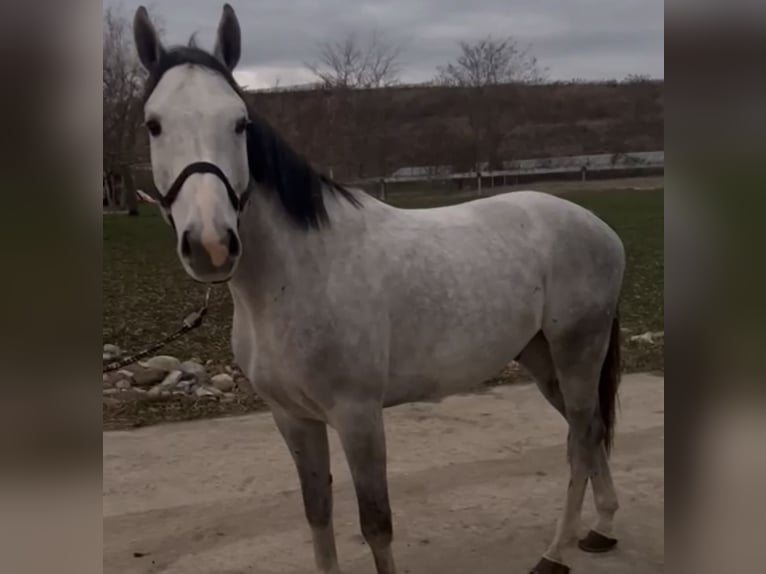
(608, 383)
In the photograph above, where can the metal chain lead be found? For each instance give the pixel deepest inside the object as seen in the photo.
(192, 321)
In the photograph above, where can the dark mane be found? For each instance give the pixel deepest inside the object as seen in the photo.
(274, 165)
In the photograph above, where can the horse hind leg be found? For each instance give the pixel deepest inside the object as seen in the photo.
(536, 358)
(578, 358)
(600, 538)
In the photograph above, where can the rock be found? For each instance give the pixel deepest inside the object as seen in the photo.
(110, 391)
(203, 392)
(193, 369)
(111, 401)
(126, 374)
(143, 377)
(214, 390)
(171, 380)
(111, 352)
(243, 386)
(127, 395)
(162, 363)
(123, 384)
(158, 391)
(229, 397)
(223, 382)
(184, 386)
(648, 337)
(112, 379)
(105, 378)
(643, 338)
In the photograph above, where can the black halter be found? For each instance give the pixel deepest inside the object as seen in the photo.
(167, 200)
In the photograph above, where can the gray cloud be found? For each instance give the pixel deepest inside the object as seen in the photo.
(590, 39)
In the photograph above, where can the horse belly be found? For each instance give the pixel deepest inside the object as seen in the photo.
(433, 385)
(456, 365)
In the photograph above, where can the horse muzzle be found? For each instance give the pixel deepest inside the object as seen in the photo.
(210, 257)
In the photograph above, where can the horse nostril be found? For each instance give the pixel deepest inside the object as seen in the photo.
(233, 244)
(185, 246)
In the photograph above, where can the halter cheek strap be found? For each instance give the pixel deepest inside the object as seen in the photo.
(167, 200)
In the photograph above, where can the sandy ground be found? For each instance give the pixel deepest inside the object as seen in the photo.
(476, 482)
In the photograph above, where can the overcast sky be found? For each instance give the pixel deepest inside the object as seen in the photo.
(589, 39)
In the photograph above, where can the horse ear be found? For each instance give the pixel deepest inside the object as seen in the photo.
(147, 40)
(228, 43)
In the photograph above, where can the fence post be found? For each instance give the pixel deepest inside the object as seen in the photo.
(478, 182)
(382, 189)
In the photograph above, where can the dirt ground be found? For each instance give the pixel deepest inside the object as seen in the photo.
(476, 483)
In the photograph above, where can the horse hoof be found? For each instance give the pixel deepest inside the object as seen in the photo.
(546, 566)
(597, 543)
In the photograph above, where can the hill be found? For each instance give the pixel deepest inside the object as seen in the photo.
(368, 133)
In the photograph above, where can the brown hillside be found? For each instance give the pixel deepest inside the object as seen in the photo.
(372, 132)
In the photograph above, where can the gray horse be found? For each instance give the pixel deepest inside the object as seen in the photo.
(344, 305)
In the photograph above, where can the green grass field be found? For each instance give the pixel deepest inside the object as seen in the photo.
(146, 293)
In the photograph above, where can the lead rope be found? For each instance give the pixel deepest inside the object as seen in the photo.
(192, 321)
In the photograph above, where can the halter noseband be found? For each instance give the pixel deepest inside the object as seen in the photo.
(167, 200)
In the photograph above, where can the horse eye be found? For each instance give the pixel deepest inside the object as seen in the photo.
(241, 125)
(154, 127)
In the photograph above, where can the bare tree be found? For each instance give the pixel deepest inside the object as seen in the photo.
(359, 120)
(479, 69)
(123, 78)
(489, 62)
(381, 64)
(352, 63)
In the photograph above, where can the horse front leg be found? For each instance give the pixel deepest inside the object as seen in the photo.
(363, 438)
(307, 441)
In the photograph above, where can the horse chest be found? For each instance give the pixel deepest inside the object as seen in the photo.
(299, 366)
(273, 376)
